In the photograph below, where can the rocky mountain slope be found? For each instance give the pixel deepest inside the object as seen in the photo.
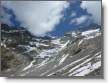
(75, 54)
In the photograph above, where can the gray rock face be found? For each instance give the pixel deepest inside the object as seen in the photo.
(75, 54)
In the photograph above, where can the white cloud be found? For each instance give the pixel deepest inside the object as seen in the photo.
(80, 20)
(39, 17)
(73, 14)
(93, 7)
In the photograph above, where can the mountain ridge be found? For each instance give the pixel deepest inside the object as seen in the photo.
(75, 54)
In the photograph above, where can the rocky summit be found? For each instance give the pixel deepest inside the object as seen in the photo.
(77, 53)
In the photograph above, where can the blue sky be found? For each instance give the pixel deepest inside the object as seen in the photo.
(65, 25)
(72, 16)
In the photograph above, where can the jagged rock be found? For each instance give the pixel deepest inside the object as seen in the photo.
(77, 53)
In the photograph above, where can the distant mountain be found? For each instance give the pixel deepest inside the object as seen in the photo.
(77, 53)
(90, 26)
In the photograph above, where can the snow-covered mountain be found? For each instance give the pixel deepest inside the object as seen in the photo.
(75, 54)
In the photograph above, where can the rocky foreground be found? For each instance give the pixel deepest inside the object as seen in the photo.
(75, 54)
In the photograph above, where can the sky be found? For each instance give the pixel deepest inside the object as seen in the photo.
(51, 17)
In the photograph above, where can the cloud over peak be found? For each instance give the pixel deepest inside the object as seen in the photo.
(93, 7)
(54, 17)
(39, 17)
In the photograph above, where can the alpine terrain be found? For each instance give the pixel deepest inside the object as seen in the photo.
(77, 53)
